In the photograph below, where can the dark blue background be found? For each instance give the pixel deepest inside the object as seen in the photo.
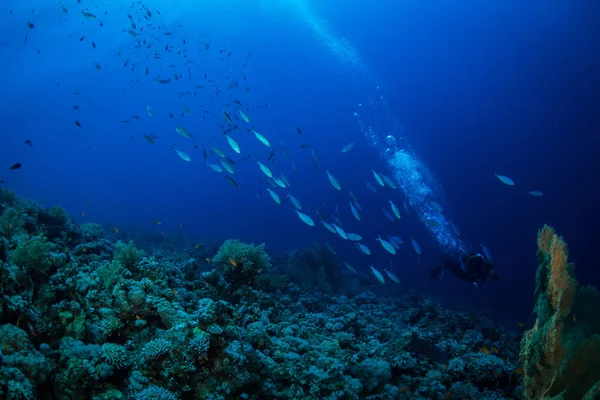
(478, 86)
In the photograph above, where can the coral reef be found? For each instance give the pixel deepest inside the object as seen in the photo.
(561, 353)
(86, 315)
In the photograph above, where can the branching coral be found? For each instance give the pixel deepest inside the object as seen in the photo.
(561, 352)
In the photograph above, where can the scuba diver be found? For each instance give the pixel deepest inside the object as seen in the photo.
(474, 268)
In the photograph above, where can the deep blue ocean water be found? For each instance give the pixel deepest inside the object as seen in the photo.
(469, 88)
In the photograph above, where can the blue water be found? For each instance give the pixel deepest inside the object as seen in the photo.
(466, 89)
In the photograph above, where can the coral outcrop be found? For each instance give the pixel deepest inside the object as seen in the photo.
(561, 353)
(87, 315)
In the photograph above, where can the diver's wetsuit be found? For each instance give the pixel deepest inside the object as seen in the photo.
(473, 268)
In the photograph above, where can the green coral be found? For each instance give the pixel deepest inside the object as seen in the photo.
(110, 273)
(242, 262)
(115, 355)
(128, 255)
(33, 253)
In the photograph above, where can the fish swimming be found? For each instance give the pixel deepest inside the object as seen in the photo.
(332, 179)
(183, 155)
(386, 245)
(395, 210)
(535, 193)
(340, 232)
(363, 249)
(306, 219)
(354, 237)
(354, 211)
(378, 178)
(504, 179)
(274, 196)
(377, 275)
(233, 144)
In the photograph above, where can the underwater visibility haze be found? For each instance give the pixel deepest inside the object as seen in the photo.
(299, 199)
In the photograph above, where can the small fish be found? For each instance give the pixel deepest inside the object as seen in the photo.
(388, 215)
(340, 231)
(353, 196)
(299, 131)
(377, 275)
(285, 180)
(233, 262)
(485, 350)
(88, 15)
(389, 181)
(333, 180)
(350, 267)
(416, 246)
(363, 248)
(295, 202)
(274, 196)
(233, 183)
(226, 165)
(495, 350)
(386, 245)
(183, 132)
(215, 167)
(396, 241)
(183, 155)
(265, 169)
(454, 228)
(77, 123)
(244, 116)
(331, 249)
(226, 116)
(306, 219)
(279, 182)
(463, 267)
(535, 193)
(354, 211)
(392, 276)
(348, 147)
(354, 237)
(217, 151)
(233, 144)
(261, 138)
(431, 222)
(329, 227)
(371, 187)
(28, 142)
(271, 154)
(395, 210)
(378, 178)
(436, 206)
(15, 166)
(149, 139)
(149, 110)
(504, 179)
